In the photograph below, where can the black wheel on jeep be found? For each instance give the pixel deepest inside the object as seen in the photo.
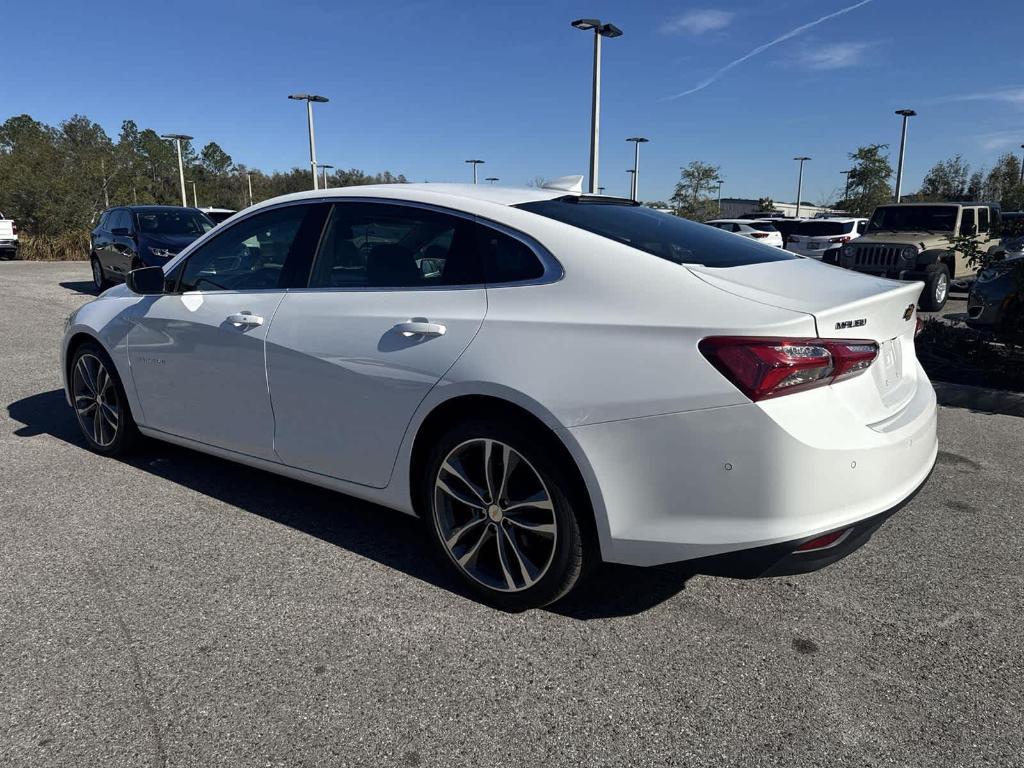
(936, 288)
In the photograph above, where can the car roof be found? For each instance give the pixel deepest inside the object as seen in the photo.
(431, 191)
(840, 219)
(212, 209)
(148, 208)
(739, 221)
(937, 202)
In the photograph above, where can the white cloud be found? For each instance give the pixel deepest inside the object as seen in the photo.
(1012, 95)
(698, 21)
(997, 140)
(762, 48)
(835, 55)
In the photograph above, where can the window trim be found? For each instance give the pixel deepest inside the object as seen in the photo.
(553, 271)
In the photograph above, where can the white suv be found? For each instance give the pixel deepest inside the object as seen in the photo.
(8, 238)
(762, 231)
(823, 238)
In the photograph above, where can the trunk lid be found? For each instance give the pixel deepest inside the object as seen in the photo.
(844, 305)
(6, 229)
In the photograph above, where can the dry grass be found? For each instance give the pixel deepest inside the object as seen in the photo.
(70, 246)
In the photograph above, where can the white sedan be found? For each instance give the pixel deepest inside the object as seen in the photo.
(762, 231)
(547, 379)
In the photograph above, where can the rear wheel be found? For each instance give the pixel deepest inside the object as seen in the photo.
(99, 280)
(100, 403)
(936, 288)
(499, 512)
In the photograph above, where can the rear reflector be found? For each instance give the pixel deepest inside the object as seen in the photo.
(844, 239)
(765, 367)
(827, 541)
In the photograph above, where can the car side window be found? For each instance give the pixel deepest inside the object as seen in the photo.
(118, 219)
(505, 258)
(982, 220)
(384, 245)
(861, 227)
(249, 255)
(967, 221)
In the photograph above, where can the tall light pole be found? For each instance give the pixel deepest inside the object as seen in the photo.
(248, 177)
(720, 183)
(632, 182)
(600, 30)
(178, 138)
(325, 167)
(907, 114)
(600, 190)
(475, 163)
(1021, 166)
(309, 98)
(800, 184)
(846, 189)
(195, 198)
(492, 179)
(637, 141)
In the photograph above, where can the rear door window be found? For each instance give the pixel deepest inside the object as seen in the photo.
(967, 221)
(660, 234)
(982, 220)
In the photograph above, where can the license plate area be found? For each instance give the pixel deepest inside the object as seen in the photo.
(890, 360)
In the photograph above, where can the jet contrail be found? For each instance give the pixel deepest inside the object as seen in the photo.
(761, 48)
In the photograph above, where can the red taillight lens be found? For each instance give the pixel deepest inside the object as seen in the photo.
(764, 367)
(14, 228)
(827, 541)
(759, 235)
(845, 239)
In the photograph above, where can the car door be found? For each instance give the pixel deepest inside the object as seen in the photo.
(122, 246)
(197, 353)
(395, 296)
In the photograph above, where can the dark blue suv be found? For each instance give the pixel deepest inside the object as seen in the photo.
(134, 236)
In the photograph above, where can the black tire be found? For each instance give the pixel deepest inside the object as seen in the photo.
(99, 278)
(574, 551)
(124, 436)
(936, 288)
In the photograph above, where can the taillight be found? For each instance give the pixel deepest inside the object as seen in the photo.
(765, 367)
(918, 327)
(844, 239)
(759, 235)
(14, 228)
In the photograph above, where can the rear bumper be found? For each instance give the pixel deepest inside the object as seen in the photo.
(741, 478)
(8, 247)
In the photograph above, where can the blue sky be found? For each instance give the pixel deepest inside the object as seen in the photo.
(418, 87)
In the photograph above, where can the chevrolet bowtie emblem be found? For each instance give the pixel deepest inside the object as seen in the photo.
(908, 312)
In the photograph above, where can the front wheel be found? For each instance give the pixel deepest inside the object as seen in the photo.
(498, 510)
(99, 280)
(100, 403)
(936, 288)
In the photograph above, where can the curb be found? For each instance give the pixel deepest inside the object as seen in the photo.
(979, 398)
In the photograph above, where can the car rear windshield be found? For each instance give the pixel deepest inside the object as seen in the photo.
(661, 234)
(823, 228)
(762, 226)
(913, 218)
(183, 222)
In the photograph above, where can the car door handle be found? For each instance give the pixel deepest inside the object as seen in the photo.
(420, 328)
(245, 318)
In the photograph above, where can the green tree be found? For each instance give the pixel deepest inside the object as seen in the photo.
(1003, 185)
(765, 204)
(869, 180)
(689, 198)
(946, 180)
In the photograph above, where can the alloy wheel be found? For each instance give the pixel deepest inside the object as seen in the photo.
(494, 515)
(941, 288)
(96, 401)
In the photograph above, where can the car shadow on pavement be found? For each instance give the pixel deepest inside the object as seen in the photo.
(369, 530)
(80, 286)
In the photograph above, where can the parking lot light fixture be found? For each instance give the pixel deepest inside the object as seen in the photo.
(195, 198)
(248, 177)
(324, 166)
(800, 183)
(637, 141)
(475, 163)
(178, 138)
(600, 30)
(846, 188)
(907, 114)
(492, 179)
(309, 98)
(1022, 165)
(720, 183)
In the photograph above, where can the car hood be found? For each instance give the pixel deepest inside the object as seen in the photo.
(173, 243)
(923, 240)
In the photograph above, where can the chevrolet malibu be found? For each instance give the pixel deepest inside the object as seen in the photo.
(547, 379)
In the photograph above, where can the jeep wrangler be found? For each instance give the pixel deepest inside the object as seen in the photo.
(910, 241)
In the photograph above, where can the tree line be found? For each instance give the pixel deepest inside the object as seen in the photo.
(56, 179)
(870, 184)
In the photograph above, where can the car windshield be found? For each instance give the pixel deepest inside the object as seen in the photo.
(661, 234)
(182, 222)
(823, 228)
(913, 218)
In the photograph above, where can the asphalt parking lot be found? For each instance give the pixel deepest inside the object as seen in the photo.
(180, 610)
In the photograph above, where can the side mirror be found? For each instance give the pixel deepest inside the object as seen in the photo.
(969, 231)
(146, 281)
